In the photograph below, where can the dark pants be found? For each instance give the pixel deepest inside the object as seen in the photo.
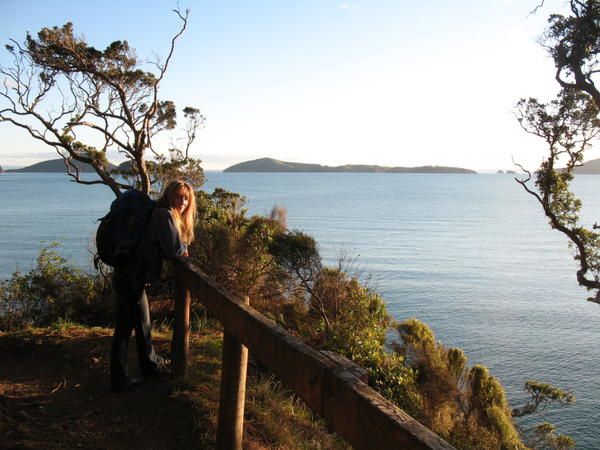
(131, 312)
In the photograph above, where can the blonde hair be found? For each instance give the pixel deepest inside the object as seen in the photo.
(184, 221)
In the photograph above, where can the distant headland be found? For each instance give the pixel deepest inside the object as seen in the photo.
(591, 167)
(274, 165)
(58, 165)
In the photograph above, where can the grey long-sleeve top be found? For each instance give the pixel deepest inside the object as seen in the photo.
(161, 240)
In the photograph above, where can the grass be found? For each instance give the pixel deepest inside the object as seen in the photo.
(274, 417)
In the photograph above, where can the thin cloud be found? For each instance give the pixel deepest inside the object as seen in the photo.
(349, 6)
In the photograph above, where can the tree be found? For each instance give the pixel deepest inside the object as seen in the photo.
(568, 125)
(544, 435)
(298, 255)
(85, 102)
(541, 395)
(573, 42)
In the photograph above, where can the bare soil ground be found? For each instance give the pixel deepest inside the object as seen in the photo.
(54, 393)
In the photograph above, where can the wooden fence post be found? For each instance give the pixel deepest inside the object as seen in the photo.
(230, 428)
(180, 347)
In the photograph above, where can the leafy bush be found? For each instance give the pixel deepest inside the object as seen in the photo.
(468, 406)
(54, 290)
(233, 248)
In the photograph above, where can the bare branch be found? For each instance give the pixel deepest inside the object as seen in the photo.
(523, 182)
(535, 10)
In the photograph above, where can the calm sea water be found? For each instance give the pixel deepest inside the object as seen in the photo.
(471, 255)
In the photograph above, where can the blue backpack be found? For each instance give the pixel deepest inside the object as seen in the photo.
(121, 230)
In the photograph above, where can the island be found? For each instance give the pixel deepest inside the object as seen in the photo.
(275, 165)
(591, 167)
(56, 165)
(1, 169)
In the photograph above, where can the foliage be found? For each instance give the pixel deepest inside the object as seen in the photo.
(542, 394)
(488, 406)
(333, 310)
(297, 255)
(52, 291)
(466, 406)
(233, 248)
(357, 316)
(395, 380)
(85, 102)
(568, 125)
(544, 436)
(573, 42)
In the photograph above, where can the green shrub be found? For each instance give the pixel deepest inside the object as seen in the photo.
(54, 290)
(233, 249)
(468, 407)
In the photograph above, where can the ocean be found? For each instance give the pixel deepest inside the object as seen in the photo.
(470, 255)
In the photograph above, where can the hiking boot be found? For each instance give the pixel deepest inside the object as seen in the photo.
(125, 385)
(162, 367)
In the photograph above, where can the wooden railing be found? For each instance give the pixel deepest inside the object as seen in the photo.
(332, 386)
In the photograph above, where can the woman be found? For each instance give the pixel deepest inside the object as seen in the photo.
(169, 232)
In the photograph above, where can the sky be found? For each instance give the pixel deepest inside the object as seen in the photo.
(387, 82)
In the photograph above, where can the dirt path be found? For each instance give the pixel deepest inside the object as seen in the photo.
(54, 394)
